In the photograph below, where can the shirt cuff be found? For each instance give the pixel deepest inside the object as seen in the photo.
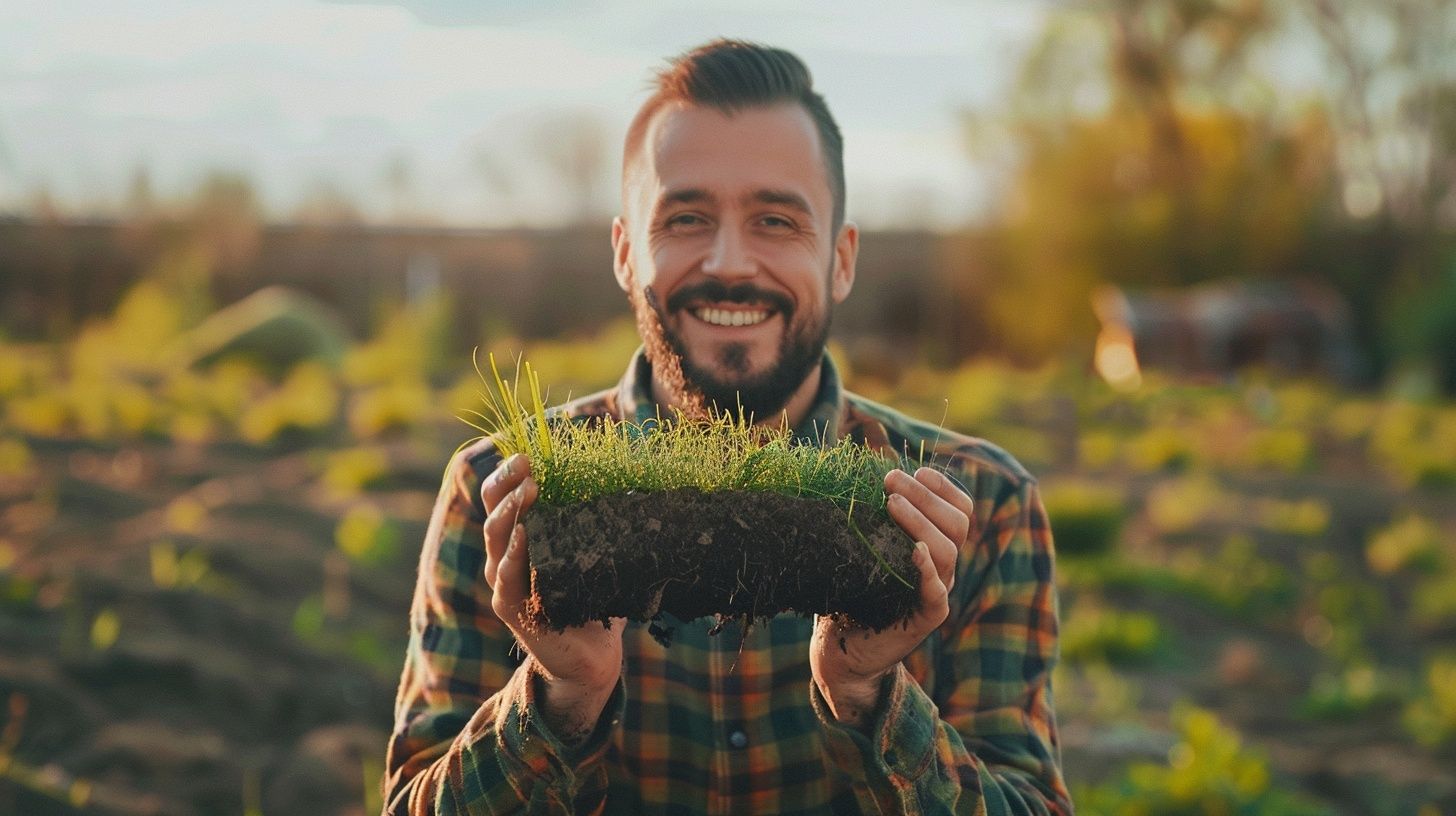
(530, 751)
(900, 744)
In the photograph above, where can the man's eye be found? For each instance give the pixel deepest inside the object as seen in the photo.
(684, 220)
(776, 222)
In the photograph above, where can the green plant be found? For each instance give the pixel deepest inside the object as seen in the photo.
(307, 401)
(1234, 579)
(1409, 543)
(351, 471)
(366, 536)
(1092, 632)
(1303, 517)
(1349, 693)
(1086, 518)
(1285, 449)
(1433, 601)
(1209, 771)
(1431, 717)
(1161, 448)
(1181, 505)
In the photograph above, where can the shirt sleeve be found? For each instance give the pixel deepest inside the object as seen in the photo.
(990, 744)
(467, 736)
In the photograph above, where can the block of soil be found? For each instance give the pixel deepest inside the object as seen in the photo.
(728, 553)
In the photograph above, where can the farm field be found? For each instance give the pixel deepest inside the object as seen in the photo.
(205, 574)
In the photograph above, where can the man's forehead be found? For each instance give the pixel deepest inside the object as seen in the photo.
(732, 154)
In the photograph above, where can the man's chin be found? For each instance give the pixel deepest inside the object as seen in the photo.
(760, 396)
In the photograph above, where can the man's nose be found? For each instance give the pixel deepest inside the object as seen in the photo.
(729, 256)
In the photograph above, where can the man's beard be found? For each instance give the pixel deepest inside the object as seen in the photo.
(700, 389)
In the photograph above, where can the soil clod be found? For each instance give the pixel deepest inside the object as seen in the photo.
(735, 554)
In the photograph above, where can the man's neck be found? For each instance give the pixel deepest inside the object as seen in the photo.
(797, 407)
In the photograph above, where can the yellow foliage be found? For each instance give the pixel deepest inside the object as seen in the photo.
(1305, 517)
(192, 428)
(164, 565)
(1431, 718)
(398, 404)
(1097, 449)
(581, 365)
(132, 408)
(16, 460)
(171, 570)
(407, 345)
(45, 414)
(186, 515)
(1160, 447)
(105, 629)
(23, 370)
(1352, 418)
(1180, 505)
(1411, 542)
(1285, 449)
(349, 471)
(976, 393)
(231, 386)
(308, 400)
(362, 531)
(1093, 631)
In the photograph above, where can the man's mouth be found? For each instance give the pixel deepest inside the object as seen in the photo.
(743, 305)
(731, 317)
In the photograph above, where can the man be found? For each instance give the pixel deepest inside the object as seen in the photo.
(733, 249)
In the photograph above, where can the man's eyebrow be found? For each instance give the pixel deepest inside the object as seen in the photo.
(782, 198)
(686, 195)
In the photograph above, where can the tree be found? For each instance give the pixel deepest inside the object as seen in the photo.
(1139, 162)
(573, 146)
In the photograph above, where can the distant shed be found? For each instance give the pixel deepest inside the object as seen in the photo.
(1215, 329)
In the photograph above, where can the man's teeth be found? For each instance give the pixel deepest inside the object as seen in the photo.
(724, 317)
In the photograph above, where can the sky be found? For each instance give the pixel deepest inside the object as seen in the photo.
(457, 96)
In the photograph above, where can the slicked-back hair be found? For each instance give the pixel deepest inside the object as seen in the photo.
(730, 76)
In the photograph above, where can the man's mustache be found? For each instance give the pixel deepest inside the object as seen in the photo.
(716, 292)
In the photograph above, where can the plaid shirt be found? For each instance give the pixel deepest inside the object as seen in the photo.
(734, 723)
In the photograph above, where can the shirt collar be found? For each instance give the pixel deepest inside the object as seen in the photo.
(819, 426)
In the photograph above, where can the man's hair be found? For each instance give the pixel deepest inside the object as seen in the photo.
(729, 76)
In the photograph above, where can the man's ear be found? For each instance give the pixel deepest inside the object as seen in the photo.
(846, 253)
(622, 254)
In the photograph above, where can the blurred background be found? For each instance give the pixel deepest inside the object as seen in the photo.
(1193, 261)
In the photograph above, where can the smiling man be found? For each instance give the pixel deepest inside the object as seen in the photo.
(732, 249)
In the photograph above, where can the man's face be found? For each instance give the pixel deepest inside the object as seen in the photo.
(727, 256)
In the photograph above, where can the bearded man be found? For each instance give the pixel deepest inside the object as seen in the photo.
(733, 249)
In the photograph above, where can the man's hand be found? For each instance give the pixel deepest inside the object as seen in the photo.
(850, 662)
(579, 666)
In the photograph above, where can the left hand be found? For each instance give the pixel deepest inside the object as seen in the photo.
(849, 662)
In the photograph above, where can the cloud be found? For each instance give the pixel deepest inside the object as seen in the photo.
(291, 92)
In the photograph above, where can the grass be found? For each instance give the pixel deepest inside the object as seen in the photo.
(575, 461)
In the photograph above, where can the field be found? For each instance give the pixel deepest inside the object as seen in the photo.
(205, 574)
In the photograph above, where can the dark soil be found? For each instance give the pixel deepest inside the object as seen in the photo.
(732, 553)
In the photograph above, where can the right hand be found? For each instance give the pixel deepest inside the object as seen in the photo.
(579, 665)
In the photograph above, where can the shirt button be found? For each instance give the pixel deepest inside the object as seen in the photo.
(738, 739)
